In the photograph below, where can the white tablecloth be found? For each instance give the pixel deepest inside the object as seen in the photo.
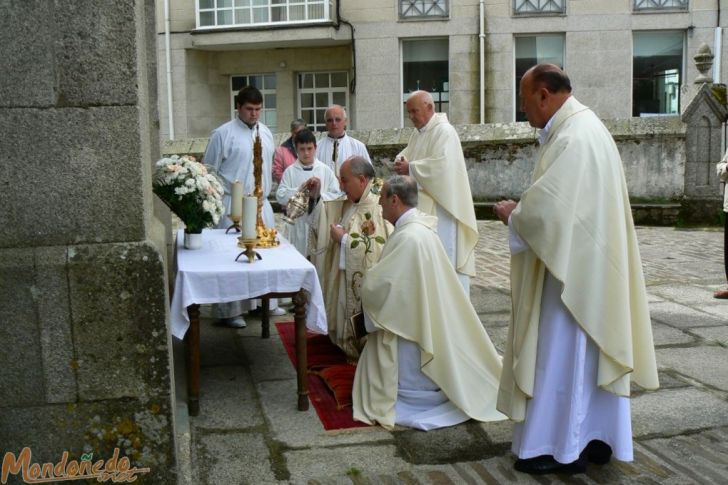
(211, 275)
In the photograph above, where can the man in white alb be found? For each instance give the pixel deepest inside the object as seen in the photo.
(580, 329)
(337, 146)
(230, 153)
(307, 172)
(435, 159)
(427, 362)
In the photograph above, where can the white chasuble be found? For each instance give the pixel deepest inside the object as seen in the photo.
(413, 296)
(437, 163)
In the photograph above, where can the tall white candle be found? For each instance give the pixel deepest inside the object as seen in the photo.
(236, 195)
(250, 212)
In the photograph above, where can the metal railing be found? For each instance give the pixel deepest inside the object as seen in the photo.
(641, 5)
(212, 14)
(409, 9)
(521, 7)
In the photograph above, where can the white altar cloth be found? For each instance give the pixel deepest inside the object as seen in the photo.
(211, 275)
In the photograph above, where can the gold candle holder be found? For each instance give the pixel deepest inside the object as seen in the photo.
(250, 252)
(235, 225)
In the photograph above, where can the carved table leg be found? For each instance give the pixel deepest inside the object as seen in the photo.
(193, 360)
(299, 313)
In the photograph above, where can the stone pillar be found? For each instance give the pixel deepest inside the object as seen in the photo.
(704, 116)
(84, 346)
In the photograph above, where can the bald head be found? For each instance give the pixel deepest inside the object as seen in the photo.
(543, 90)
(420, 108)
(335, 118)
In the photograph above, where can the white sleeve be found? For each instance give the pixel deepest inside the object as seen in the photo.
(516, 244)
(342, 253)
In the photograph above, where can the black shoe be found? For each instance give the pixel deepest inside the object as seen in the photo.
(597, 452)
(545, 464)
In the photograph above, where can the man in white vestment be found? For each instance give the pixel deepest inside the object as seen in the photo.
(230, 153)
(434, 157)
(722, 171)
(427, 362)
(307, 172)
(347, 237)
(337, 146)
(580, 329)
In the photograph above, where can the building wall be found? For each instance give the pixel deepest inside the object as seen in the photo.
(598, 58)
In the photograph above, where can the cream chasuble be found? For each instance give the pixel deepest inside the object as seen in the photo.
(437, 163)
(577, 223)
(341, 287)
(413, 294)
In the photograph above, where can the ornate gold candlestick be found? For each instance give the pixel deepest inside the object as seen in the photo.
(265, 237)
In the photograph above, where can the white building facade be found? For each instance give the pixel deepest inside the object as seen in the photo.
(625, 57)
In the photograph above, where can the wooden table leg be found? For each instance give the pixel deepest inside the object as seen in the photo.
(193, 360)
(299, 313)
(265, 317)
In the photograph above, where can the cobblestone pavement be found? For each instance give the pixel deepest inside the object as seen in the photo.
(248, 430)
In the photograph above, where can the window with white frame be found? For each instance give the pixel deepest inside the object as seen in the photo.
(641, 5)
(425, 66)
(530, 7)
(242, 13)
(319, 90)
(266, 84)
(532, 50)
(417, 9)
(657, 67)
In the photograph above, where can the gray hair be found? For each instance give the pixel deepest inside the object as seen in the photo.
(360, 166)
(298, 123)
(404, 187)
(336, 106)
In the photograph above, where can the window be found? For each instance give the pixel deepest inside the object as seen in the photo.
(241, 13)
(657, 68)
(530, 7)
(319, 90)
(532, 50)
(411, 9)
(641, 5)
(425, 66)
(266, 83)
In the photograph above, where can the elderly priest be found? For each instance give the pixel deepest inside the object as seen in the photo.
(428, 362)
(343, 253)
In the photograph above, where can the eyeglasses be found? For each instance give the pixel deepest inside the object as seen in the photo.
(331, 120)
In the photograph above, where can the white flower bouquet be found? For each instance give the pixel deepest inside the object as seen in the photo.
(189, 190)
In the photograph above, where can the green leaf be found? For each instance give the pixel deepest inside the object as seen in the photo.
(355, 235)
(367, 216)
(379, 239)
(354, 244)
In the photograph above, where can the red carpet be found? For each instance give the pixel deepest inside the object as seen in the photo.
(328, 372)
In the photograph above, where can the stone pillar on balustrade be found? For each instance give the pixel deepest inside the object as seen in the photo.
(704, 113)
(84, 346)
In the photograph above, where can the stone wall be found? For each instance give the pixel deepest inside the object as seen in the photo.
(84, 345)
(500, 156)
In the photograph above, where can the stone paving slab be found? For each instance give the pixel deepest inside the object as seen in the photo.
(227, 399)
(301, 429)
(665, 335)
(692, 361)
(682, 316)
(675, 411)
(716, 334)
(231, 458)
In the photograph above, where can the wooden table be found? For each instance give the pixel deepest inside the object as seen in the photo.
(211, 275)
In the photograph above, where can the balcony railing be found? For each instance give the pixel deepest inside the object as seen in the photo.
(641, 5)
(529, 7)
(417, 9)
(212, 14)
